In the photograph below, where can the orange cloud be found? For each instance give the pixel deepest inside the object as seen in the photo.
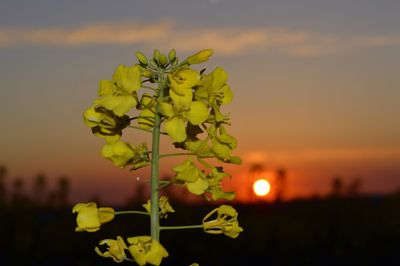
(322, 154)
(224, 40)
(120, 33)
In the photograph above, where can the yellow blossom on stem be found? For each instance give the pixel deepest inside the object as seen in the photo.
(222, 143)
(119, 94)
(145, 249)
(104, 123)
(183, 79)
(214, 179)
(115, 250)
(123, 154)
(177, 116)
(164, 205)
(90, 218)
(225, 223)
(214, 88)
(120, 153)
(200, 57)
(188, 174)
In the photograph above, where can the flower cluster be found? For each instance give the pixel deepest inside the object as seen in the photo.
(164, 96)
(143, 249)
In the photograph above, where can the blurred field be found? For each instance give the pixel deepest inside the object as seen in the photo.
(330, 231)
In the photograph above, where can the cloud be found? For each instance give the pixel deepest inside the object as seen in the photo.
(316, 155)
(224, 40)
(121, 33)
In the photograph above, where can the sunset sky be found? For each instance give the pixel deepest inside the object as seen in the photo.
(316, 83)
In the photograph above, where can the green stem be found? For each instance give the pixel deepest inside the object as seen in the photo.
(204, 163)
(131, 212)
(176, 154)
(154, 212)
(181, 227)
(164, 184)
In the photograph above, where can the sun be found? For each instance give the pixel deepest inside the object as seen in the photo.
(261, 187)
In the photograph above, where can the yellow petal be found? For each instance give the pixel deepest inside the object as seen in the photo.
(198, 187)
(87, 218)
(198, 113)
(183, 99)
(120, 104)
(115, 249)
(187, 171)
(222, 151)
(233, 230)
(176, 129)
(120, 153)
(106, 87)
(91, 118)
(156, 253)
(128, 78)
(220, 78)
(227, 94)
(183, 79)
(144, 250)
(106, 214)
(146, 119)
(167, 109)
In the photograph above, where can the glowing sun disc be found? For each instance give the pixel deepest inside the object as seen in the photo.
(261, 187)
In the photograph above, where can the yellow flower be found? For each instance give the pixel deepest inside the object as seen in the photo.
(164, 207)
(104, 123)
(119, 94)
(188, 174)
(214, 179)
(222, 143)
(119, 104)
(128, 79)
(144, 250)
(177, 116)
(183, 79)
(200, 57)
(225, 223)
(199, 147)
(115, 250)
(90, 218)
(120, 153)
(214, 89)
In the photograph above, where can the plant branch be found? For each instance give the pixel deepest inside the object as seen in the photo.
(131, 212)
(179, 227)
(176, 154)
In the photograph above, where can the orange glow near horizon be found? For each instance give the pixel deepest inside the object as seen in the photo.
(261, 187)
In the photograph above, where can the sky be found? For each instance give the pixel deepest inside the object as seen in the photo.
(316, 86)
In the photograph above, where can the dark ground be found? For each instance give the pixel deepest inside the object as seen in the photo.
(334, 231)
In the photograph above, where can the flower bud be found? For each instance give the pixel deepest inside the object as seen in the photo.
(141, 58)
(156, 55)
(200, 57)
(147, 73)
(163, 60)
(172, 55)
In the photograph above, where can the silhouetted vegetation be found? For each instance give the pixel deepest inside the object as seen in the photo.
(37, 228)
